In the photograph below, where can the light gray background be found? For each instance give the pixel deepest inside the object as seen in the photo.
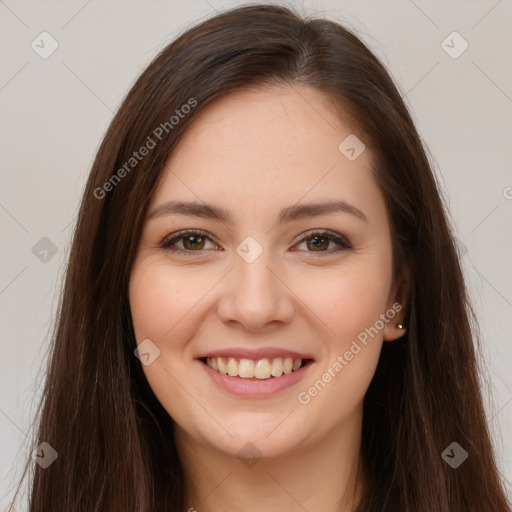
(55, 111)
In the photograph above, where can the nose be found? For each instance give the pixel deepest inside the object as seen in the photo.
(255, 296)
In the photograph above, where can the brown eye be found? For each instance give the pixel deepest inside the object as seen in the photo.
(193, 242)
(188, 242)
(317, 243)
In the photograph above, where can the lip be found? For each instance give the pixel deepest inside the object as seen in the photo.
(255, 388)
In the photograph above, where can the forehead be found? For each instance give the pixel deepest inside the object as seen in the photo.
(266, 146)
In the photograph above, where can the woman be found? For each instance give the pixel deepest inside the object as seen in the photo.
(264, 308)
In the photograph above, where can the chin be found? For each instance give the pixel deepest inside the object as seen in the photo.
(255, 437)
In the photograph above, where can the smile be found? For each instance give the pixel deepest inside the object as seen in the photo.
(259, 369)
(255, 373)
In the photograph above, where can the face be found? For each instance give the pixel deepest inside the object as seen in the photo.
(294, 299)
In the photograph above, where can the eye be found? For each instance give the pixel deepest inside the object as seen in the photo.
(191, 241)
(195, 241)
(318, 241)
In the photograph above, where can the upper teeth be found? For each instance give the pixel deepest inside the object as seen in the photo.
(248, 368)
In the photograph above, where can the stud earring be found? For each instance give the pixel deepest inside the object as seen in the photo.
(400, 326)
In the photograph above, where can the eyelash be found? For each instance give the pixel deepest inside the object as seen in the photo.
(344, 244)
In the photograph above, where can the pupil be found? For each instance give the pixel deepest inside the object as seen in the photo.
(194, 241)
(316, 241)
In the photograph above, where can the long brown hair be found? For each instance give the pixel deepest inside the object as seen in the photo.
(113, 437)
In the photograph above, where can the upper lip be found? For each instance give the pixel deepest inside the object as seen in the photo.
(255, 354)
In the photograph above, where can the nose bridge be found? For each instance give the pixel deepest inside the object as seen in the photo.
(255, 296)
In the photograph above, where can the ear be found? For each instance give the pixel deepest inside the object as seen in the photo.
(397, 303)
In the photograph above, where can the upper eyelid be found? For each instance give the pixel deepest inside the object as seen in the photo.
(190, 232)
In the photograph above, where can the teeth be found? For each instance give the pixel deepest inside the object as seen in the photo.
(277, 367)
(245, 368)
(248, 369)
(220, 363)
(232, 367)
(262, 369)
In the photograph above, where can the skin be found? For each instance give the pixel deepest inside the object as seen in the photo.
(254, 152)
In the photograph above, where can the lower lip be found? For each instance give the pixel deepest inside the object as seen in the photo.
(256, 388)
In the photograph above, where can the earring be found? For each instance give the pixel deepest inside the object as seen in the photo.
(400, 326)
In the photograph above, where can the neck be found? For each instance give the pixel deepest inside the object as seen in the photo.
(324, 475)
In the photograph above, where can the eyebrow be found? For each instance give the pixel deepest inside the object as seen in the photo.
(287, 214)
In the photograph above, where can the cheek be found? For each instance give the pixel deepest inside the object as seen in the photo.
(349, 303)
(164, 304)
(162, 299)
(346, 300)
